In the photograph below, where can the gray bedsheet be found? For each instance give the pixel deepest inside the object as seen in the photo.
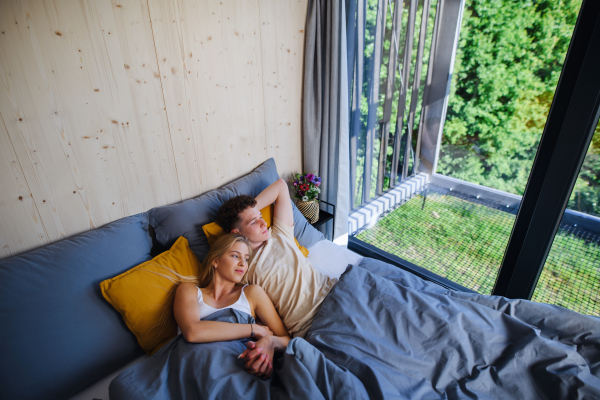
(407, 338)
(383, 333)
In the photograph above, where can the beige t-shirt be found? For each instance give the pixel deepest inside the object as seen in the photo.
(294, 286)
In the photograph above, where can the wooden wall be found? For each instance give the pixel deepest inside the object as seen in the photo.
(109, 108)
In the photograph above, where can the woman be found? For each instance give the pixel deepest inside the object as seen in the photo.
(220, 287)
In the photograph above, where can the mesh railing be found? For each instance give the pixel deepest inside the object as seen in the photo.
(463, 239)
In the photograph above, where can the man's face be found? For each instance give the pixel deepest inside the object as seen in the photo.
(252, 226)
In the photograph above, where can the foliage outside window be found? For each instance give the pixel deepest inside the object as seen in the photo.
(507, 67)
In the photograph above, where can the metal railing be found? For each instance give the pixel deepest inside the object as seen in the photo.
(376, 122)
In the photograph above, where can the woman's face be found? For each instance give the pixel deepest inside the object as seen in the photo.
(232, 266)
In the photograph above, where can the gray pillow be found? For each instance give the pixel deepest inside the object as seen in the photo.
(58, 334)
(187, 218)
(303, 231)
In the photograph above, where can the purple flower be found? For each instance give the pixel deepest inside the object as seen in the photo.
(295, 184)
(310, 177)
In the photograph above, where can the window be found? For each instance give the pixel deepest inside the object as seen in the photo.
(458, 158)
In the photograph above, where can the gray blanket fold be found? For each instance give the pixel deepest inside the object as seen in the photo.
(383, 333)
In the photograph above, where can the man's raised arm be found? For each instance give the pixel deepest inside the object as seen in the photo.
(277, 192)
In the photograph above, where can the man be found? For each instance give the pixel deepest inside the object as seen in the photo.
(293, 285)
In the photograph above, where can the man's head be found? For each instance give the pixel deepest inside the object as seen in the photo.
(240, 215)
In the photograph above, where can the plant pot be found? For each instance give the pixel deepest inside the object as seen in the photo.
(310, 210)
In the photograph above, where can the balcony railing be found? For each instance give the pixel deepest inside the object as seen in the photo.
(455, 233)
(396, 122)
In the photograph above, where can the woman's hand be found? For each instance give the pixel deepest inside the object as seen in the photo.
(259, 356)
(261, 331)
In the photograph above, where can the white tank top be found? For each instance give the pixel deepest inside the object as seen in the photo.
(241, 305)
(205, 310)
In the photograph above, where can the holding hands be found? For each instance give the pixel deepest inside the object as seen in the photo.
(259, 356)
(261, 331)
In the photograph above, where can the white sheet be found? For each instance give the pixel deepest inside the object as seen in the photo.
(99, 389)
(331, 259)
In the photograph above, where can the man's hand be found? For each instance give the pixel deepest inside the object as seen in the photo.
(259, 357)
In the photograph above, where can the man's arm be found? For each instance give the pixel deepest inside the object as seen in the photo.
(277, 192)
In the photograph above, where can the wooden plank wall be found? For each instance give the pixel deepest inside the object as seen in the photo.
(109, 108)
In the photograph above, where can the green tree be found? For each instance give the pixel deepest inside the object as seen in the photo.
(507, 67)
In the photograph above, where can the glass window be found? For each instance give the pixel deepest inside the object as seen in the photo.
(571, 274)
(507, 66)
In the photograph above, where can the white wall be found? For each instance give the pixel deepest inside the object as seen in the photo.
(110, 108)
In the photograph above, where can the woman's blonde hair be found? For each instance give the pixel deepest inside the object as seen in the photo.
(220, 247)
(206, 274)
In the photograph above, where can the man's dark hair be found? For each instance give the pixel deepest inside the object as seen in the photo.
(229, 213)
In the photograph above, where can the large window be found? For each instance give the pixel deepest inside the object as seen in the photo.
(463, 227)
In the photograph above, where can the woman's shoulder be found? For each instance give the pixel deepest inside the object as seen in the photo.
(253, 290)
(186, 289)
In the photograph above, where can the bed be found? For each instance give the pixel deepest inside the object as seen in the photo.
(387, 334)
(381, 332)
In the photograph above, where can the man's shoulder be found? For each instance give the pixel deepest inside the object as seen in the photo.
(282, 228)
(278, 249)
(277, 243)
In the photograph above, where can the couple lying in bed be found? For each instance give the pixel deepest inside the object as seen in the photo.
(380, 333)
(278, 270)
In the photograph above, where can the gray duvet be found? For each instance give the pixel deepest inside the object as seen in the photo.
(182, 370)
(383, 333)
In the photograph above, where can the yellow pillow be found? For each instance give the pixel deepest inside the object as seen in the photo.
(144, 294)
(213, 231)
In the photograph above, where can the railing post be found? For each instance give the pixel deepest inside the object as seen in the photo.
(357, 95)
(410, 28)
(373, 99)
(389, 93)
(425, 99)
(416, 84)
(437, 91)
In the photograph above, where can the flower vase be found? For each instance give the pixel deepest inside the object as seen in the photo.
(310, 210)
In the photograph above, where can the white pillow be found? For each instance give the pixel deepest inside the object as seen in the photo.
(331, 259)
